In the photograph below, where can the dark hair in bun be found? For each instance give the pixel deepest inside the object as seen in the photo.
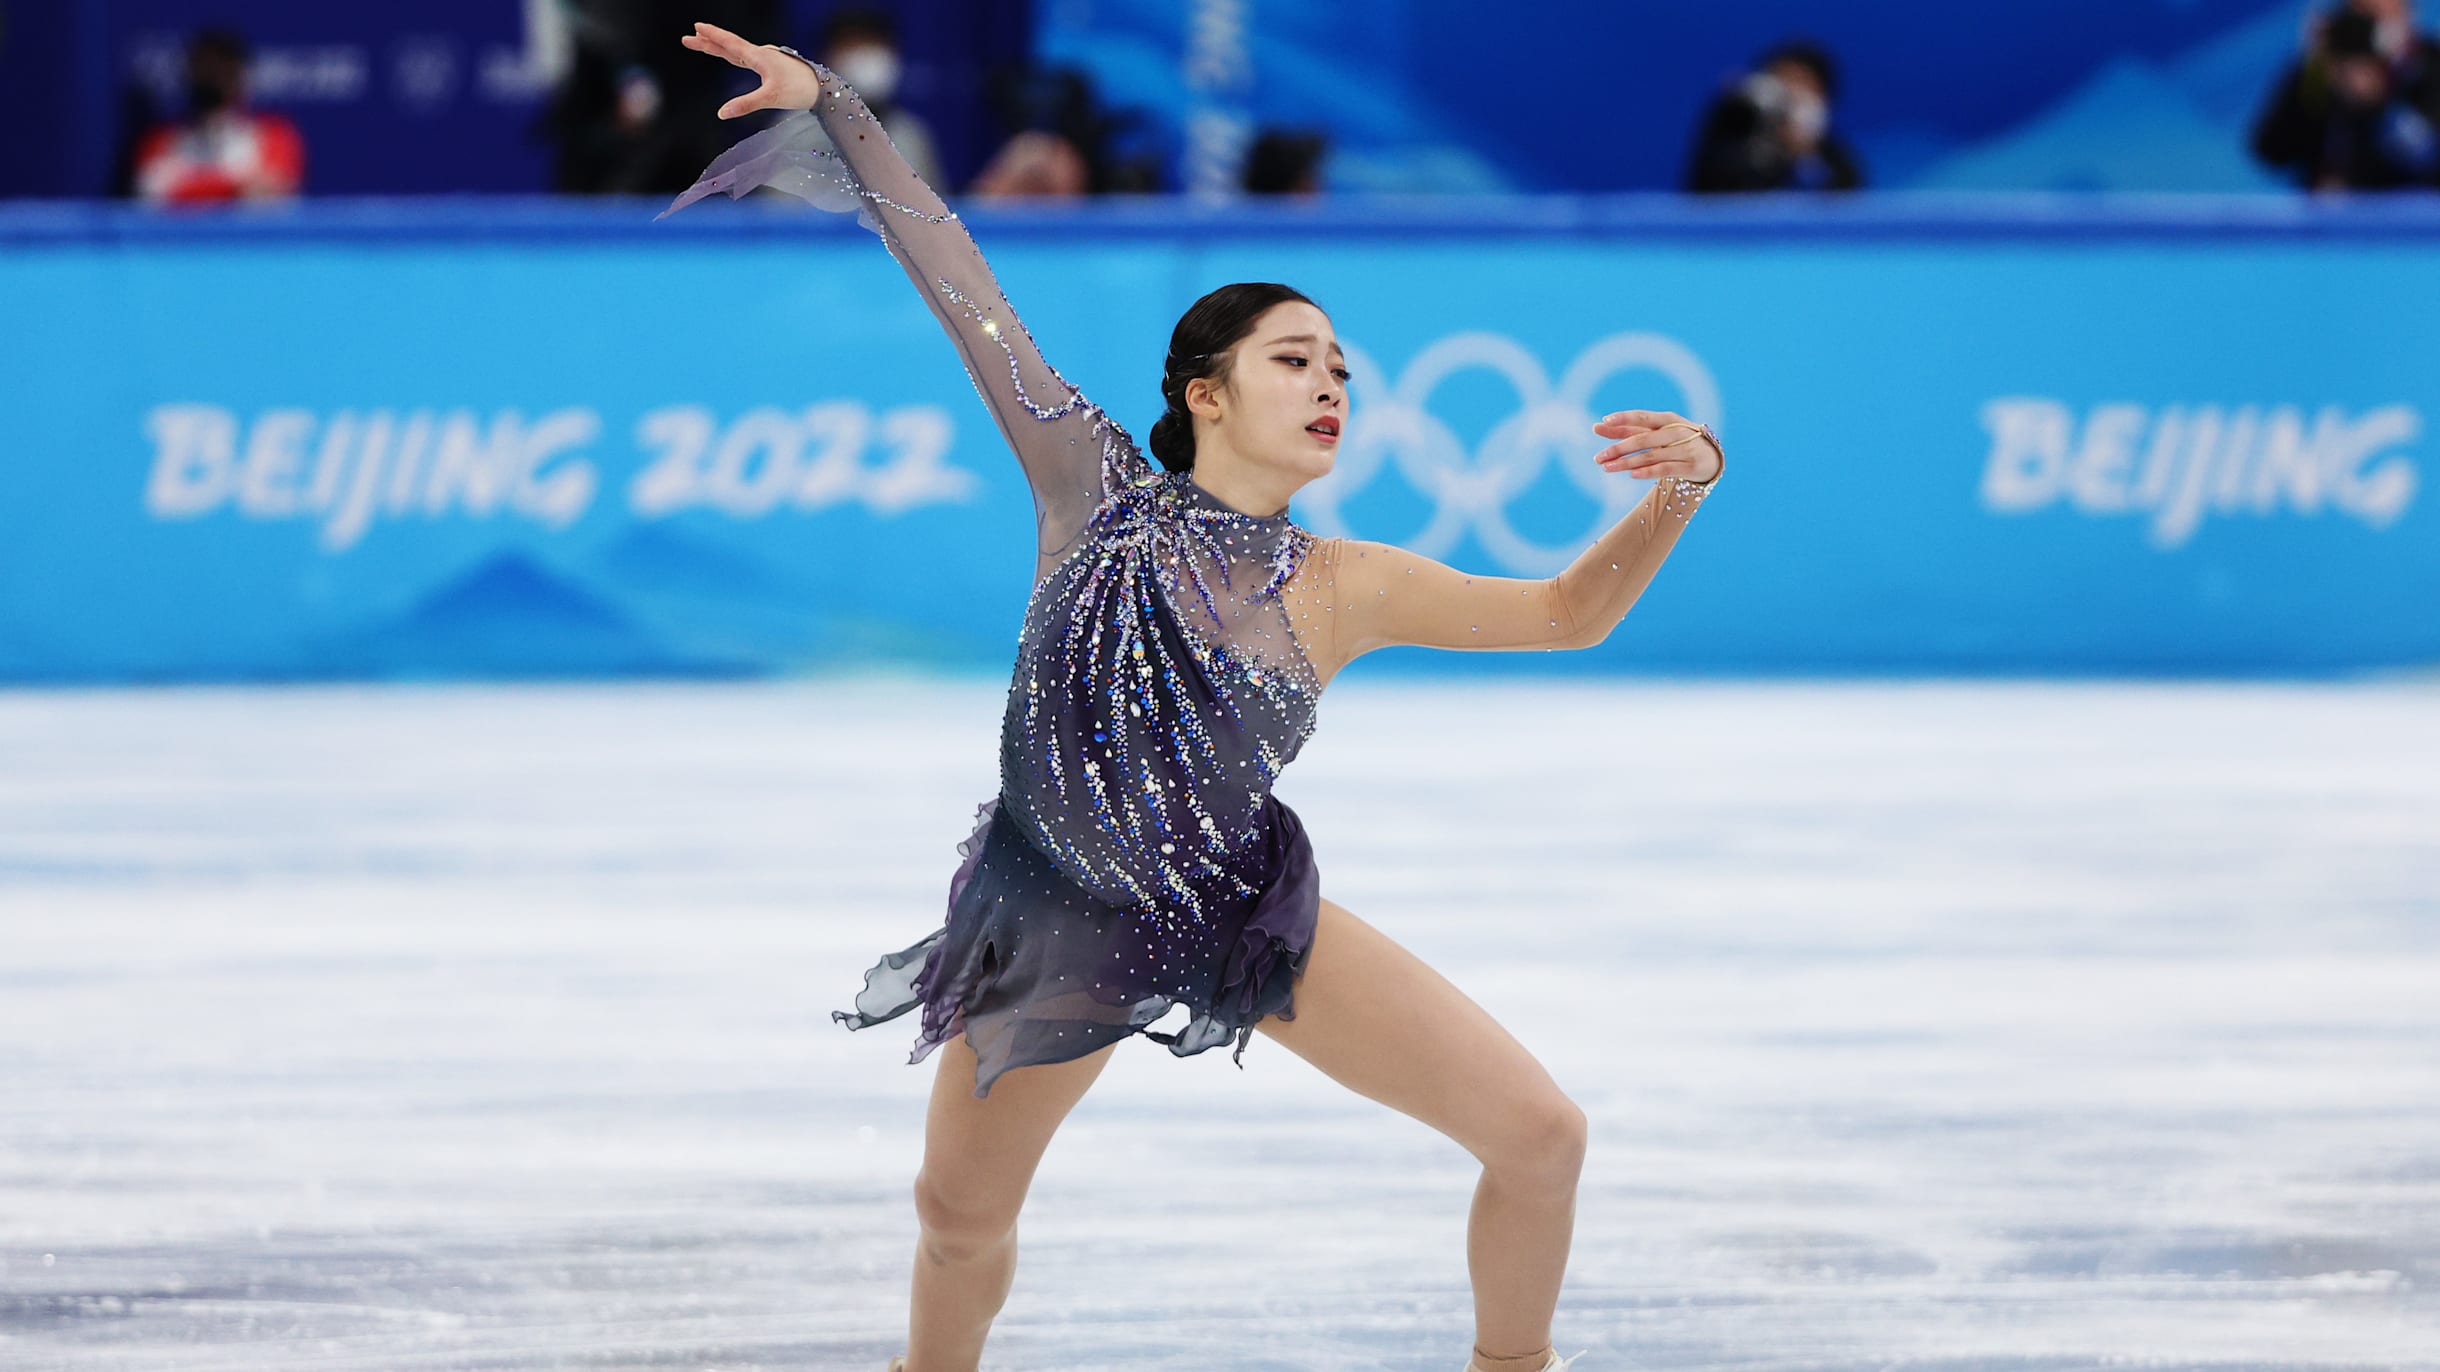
(1200, 346)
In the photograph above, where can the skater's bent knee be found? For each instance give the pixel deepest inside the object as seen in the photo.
(958, 1224)
(1542, 1139)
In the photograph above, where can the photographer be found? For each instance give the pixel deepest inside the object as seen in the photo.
(1771, 130)
(2360, 110)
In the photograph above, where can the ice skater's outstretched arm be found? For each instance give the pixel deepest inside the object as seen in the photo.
(1063, 441)
(1384, 595)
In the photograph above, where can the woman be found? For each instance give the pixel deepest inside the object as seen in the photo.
(1180, 630)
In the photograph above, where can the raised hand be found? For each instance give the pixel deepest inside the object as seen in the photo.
(787, 84)
(1658, 443)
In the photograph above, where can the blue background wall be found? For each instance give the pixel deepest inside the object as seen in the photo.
(2044, 437)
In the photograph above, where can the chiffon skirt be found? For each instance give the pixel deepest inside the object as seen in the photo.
(1033, 969)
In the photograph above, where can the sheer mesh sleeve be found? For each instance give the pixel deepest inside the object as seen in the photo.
(836, 157)
(1384, 595)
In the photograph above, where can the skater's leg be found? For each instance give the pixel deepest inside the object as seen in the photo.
(1375, 1018)
(979, 1157)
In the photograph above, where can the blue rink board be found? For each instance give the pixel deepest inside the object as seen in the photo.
(2054, 437)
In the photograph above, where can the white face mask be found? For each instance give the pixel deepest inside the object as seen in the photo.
(873, 71)
(2391, 36)
(1808, 118)
(1768, 92)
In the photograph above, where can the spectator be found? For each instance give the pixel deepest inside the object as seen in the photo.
(1036, 164)
(637, 113)
(2360, 109)
(1061, 140)
(1286, 162)
(1771, 130)
(861, 45)
(220, 151)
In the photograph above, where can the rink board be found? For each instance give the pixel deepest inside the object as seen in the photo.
(369, 440)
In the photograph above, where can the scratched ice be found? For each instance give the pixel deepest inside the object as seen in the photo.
(1929, 1026)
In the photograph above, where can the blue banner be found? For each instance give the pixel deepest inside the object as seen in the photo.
(436, 442)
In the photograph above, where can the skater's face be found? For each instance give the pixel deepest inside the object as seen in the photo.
(1284, 405)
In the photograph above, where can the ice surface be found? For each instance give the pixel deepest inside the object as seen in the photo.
(1927, 1026)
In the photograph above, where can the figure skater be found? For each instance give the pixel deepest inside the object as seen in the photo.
(1180, 630)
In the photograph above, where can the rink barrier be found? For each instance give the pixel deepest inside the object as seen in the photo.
(501, 437)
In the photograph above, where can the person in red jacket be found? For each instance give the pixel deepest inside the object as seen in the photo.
(221, 150)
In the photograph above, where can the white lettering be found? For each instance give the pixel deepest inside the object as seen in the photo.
(2236, 458)
(2289, 463)
(330, 462)
(2174, 521)
(472, 469)
(273, 453)
(2029, 441)
(809, 460)
(558, 497)
(756, 460)
(2160, 459)
(1219, 53)
(194, 454)
(351, 469)
(836, 472)
(355, 511)
(674, 480)
(2100, 477)
(407, 462)
(2377, 497)
(2251, 460)
(294, 76)
(916, 473)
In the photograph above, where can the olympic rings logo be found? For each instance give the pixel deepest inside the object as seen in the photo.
(1393, 425)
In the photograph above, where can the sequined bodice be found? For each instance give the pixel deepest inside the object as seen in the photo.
(1159, 690)
(1160, 686)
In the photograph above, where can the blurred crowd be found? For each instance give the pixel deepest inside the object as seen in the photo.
(1769, 130)
(2358, 108)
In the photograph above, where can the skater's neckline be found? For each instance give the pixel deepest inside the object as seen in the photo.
(1207, 500)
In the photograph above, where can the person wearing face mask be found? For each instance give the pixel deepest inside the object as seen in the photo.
(1771, 130)
(861, 45)
(220, 150)
(2359, 109)
(628, 118)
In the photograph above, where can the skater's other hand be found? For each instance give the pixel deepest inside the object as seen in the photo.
(787, 84)
(1657, 443)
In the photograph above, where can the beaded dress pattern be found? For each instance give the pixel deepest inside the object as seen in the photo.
(1135, 858)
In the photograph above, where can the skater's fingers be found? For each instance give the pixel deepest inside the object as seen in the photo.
(1626, 421)
(1648, 442)
(1659, 440)
(1639, 473)
(760, 98)
(1651, 469)
(720, 42)
(703, 45)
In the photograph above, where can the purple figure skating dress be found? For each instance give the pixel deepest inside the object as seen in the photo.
(1173, 652)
